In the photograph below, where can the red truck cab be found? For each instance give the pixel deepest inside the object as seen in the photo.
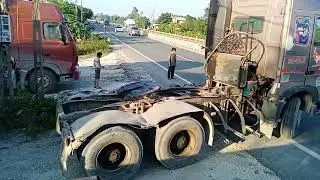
(59, 49)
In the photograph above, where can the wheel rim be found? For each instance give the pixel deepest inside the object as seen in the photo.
(182, 144)
(45, 81)
(111, 157)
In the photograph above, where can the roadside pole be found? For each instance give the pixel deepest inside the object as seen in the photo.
(5, 61)
(81, 12)
(9, 64)
(76, 7)
(1, 76)
(1, 64)
(38, 61)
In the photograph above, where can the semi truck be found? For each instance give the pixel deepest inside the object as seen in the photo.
(59, 49)
(262, 67)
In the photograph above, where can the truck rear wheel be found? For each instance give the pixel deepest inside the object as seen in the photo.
(49, 81)
(291, 119)
(115, 153)
(179, 143)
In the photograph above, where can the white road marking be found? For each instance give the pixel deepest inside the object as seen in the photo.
(305, 149)
(185, 58)
(159, 65)
(296, 144)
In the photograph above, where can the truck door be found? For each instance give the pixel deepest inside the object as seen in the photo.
(55, 51)
(313, 73)
(295, 64)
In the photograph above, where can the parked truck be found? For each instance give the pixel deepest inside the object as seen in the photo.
(262, 74)
(59, 50)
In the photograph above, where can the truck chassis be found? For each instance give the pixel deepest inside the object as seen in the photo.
(108, 131)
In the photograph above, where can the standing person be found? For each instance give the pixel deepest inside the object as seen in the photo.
(97, 66)
(172, 63)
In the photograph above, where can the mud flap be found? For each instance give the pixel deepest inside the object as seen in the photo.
(65, 153)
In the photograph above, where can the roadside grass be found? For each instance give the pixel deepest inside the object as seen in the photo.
(24, 113)
(90, 47)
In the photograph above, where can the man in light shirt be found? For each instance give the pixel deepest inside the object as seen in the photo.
(97, 66)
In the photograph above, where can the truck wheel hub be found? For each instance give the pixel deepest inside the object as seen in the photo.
(111, 156)
(115, 156)
(180, 142)
(45, 81)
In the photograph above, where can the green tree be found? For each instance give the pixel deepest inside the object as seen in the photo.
(165, 18)
(77, 28)
(206, 13)
(117, 19)
(192, 27)
(100, 17)
(134, 13)
(190, 18)
(144, 22)
(87, 14)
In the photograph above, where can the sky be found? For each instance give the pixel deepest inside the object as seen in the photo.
(124, 7)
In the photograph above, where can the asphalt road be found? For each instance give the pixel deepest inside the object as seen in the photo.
(298, 159)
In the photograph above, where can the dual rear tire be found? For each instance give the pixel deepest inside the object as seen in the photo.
(117, 153)
(179, 143)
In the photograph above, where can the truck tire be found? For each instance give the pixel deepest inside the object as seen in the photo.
(291, 119)
(179, 143)
(50, 81)
(115, 153)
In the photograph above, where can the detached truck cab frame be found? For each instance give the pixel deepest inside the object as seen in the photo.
(59, 49)
(290, 32)
(262, 68)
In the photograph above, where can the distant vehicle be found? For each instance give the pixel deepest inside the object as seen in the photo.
(134, 31)
(118, 29)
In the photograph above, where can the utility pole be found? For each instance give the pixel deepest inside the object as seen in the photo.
(153, 20)
(5, 57)
(38, 61)
(2, 63)
(76, 7)
(81, 12)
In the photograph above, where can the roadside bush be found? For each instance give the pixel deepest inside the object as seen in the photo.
(93, 45)
(28, 114)
(192, 28)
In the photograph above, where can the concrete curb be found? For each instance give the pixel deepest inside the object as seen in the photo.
(184, 44)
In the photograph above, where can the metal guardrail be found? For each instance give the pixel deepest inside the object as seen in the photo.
(186, 38)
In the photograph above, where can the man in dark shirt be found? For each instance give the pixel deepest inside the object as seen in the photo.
(172, 63)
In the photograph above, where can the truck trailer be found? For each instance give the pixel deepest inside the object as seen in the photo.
(59, 49)
(262, 67)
